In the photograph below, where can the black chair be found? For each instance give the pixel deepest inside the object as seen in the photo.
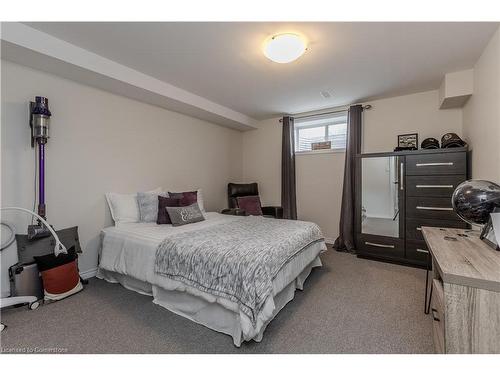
(242, 190)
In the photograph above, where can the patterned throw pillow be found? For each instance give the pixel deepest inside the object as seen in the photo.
(185, 215)
(251, 204)
(187, 197)
(148, 206)
(163, 203)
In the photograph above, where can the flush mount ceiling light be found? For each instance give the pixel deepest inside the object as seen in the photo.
(284, 48)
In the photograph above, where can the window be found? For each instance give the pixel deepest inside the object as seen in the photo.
(321, 132)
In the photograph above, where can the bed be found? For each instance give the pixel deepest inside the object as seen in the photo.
(131, 255)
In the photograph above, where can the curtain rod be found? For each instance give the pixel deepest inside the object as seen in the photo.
(368, 106)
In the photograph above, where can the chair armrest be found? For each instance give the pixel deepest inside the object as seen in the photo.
(234, 211)
(274, 211)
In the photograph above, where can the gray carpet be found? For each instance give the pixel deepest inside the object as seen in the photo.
(350, 305)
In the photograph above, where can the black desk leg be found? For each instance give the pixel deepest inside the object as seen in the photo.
(427, 305)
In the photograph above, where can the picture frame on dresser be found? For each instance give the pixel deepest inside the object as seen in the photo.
(408, 141)
(417, 186)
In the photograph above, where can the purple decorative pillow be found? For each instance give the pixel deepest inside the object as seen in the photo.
(251, 204)
(187, 197)
(163, 203)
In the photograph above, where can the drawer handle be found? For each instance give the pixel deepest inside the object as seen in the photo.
(434, 186)
(434, 164)
(422, 251)
(379, 245)
(434, 208)
(434, 311)
(402, 173)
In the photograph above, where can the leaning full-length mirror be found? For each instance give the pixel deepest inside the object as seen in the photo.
(379, 196)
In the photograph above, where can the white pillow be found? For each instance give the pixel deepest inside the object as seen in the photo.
(124, 207)
(199, 199)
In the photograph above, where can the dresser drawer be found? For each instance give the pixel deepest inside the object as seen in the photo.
(430, 208)
(414, 226)
(438, 316)
(436, 164)
(417, 251)
(432, 186)
(380, 246)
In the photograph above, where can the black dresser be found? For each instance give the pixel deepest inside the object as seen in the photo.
(399, 192)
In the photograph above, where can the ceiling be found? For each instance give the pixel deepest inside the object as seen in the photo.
(224, 63)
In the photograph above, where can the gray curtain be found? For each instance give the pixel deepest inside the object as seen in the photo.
(345, 240)
(288, 195)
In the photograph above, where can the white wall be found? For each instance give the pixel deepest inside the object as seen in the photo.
(320, 176)
(415, 113)
(262, 160)
(482, 114)
(320, 179)
(101, 143)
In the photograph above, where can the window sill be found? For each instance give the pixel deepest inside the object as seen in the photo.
(331, 151)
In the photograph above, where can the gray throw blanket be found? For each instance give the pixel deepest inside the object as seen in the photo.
(237, 260)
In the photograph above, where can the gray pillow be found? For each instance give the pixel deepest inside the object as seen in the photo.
(148, 206)
(185, 215)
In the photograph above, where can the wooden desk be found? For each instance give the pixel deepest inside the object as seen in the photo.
(466, 291)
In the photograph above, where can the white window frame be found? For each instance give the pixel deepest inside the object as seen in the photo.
(334, 119)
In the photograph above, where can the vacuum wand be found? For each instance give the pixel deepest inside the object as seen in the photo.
(39, 124)
(41, 183)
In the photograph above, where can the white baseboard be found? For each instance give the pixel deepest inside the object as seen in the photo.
(329, 240)
(88, 274)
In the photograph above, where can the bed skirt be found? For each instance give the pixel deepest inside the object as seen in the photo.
(212, 314)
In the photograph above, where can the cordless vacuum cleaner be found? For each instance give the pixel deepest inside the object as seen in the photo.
(39, 124)
(39, 120)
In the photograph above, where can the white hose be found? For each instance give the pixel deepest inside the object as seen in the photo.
(12, 236)
(59, 248)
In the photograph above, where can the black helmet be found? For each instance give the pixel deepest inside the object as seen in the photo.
(430, 143)
(451, 140)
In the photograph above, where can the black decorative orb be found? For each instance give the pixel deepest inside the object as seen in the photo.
(474, 200)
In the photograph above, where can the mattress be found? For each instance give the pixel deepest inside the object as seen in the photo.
(129, 249)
